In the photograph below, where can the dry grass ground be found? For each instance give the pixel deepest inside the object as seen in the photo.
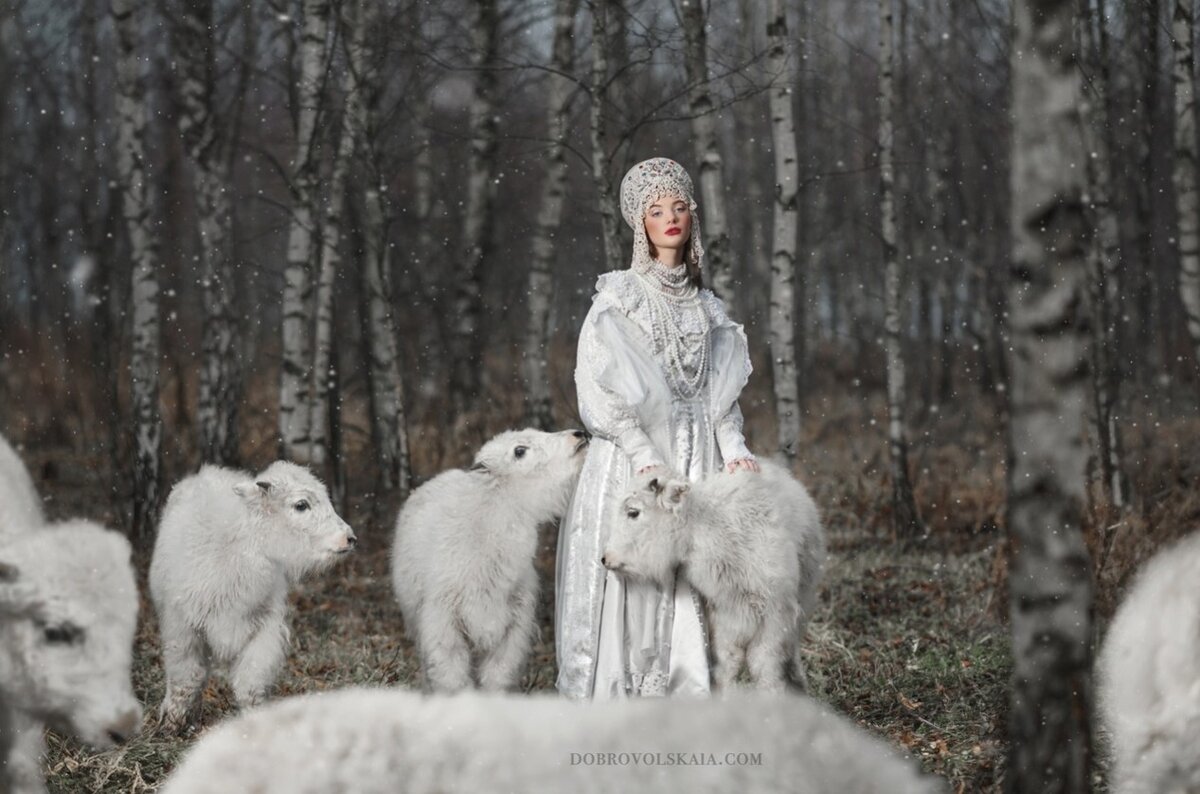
(910, 640)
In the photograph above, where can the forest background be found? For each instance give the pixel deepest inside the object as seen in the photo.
(363, 236)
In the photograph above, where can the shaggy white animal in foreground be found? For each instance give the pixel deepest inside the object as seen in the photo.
(462, 560)
(229, 545)
(1149, 676)
(385, 741)
(20, 505)
(68, 613)
(750, 543)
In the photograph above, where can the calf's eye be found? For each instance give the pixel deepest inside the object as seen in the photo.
(520, 451)
(63, 634)
(633, 513)
(300, 506)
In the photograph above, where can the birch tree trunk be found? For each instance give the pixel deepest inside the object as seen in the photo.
(1187, 199)
(785, 378)
(1050, 585)
(388, 425)
(609, 211)
(747, 125)
(97, 217)
(217, 409)
(905, 521)
(466, 374)
(431, 338)
(1104, 257)
(541, 282)
(296, 371)
(1144, 15)
(324, 378)
(144, 360)
(715, 223)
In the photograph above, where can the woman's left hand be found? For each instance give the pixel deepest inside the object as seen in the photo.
(749, 464)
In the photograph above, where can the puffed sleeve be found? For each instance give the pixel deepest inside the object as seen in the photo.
(730, 438)
(731, 370)
(613, 379)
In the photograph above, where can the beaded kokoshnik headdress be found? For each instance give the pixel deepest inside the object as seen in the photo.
(644, 184)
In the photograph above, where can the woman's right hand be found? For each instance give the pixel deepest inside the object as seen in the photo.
(655, 467)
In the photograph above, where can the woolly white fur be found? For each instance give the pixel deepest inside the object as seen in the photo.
(20, 505)
(462, 560)
(750, 543)
(1149, 676)
(384, 741)
(229, 546)
(68, 614)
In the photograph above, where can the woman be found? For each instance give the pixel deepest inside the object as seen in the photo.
(659, 370)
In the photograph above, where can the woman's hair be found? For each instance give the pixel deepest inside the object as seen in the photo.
(689, 258)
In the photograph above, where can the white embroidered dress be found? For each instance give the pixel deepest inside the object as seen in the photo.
(659, 370)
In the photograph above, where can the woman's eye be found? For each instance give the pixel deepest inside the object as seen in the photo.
(520, 452)
(300, 506)
(633, 513)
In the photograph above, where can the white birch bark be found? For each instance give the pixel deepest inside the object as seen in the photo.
(217, 407)
(1187, 199)
(905, 520)
(296, 368)
(144, 360)
(713, 216)
(389, 427)
(466, 373)
(541, 282)
(1104, 257)
(1050, 584)
(329, 265)
(609, 212)
(785, 378)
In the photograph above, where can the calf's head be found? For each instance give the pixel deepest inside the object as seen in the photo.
(537, 469)
(298, 523)
(68, 615)
(649, 537)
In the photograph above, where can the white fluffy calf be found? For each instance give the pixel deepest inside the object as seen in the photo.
(462, 561)
(1149, 676)
(20, 506)
(229, 546)
(381, 742)
(750, 543)
(68, 613)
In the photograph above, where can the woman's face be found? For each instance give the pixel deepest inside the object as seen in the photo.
(668, 224)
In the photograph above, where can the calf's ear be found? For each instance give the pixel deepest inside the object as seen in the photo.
(18, 598)
(251, 489)
(674, 493)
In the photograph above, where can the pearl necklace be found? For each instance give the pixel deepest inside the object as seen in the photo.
(668, 297)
